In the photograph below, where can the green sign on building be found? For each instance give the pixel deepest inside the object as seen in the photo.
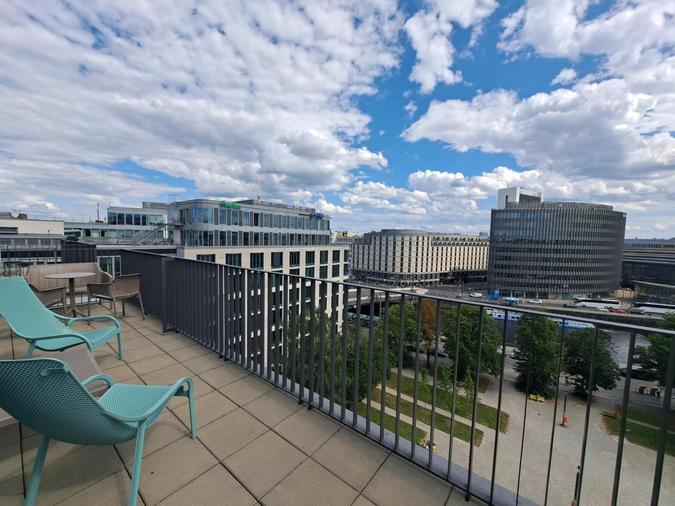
(230, 205)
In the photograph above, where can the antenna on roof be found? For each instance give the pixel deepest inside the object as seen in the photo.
(259, 190)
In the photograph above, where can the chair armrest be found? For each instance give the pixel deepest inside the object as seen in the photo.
(70, 334)
(99, 377)
(48, 290)
(100, 317)
(102, 288)
(176, 390)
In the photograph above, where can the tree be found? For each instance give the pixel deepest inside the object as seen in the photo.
(538, 354)
(653, 358)
(577, 361)
(409, 332)
(469, 321)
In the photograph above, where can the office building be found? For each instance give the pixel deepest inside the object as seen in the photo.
(517, 195)
(403, 257)
(555, 249)
(344, 237)
(25, 241)
(650, 262)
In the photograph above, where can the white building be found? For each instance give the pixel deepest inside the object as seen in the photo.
(516, 194)
(406, 257)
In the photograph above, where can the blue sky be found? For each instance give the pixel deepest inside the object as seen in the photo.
(381, 114)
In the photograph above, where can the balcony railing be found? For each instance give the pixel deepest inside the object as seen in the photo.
(384, 363)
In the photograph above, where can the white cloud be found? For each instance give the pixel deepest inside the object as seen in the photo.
(410, 108)
(220, 94)
(565, 76)
(430, 31)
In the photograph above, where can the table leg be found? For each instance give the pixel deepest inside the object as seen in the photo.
(71, 286)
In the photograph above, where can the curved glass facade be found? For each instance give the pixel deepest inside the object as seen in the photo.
(555, 249)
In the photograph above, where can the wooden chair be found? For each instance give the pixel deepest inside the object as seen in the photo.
(121, 288)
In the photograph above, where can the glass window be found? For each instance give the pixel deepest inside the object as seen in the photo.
(206, 258)
(112, 218)
(309, 272)
(222, 218)
(336, 255)
(235, 238)
(309, 257)
(275, 220)
(336, 271)
(233, 259)
(323, 272)
(257, 260)
(144, 219)
(245, 219)
(235, 217)
(246, 239)
(323, 257)
(295, 272)
(295, 258)
(129, 219)
(223, 238)
(120, 218)
(256, 219)
(277, 259)
(266, 239)
(256, 239)
(265, 220)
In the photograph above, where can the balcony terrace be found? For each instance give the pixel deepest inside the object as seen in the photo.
(276, 381)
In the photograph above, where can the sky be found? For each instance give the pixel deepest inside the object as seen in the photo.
(380, 113)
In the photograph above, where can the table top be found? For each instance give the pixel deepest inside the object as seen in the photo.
(69, 275)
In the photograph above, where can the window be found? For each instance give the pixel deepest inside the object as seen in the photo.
(129, 219)
(256, 219)
(323, 272)
(345, 270)
(246, 219)
(295, 272)
(245, 242)
(277, 259)
(235, 238)
(235, 217)
(223, 238)
(323, 257)
(206, 258)
(256, 238)
(257, 260)
(265, 220)
(309, 272)
(222, 219)
(336, 271)
(309, 257)
(144, 219)
(336, 255)
(275, 220)
(233, 259)
(295, 258)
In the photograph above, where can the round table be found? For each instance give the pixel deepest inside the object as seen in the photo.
(71, 277)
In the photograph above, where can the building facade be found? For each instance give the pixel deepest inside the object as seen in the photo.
(648, 261)
(413, 257)
(26, 241)
(555, 250)
(247, 223)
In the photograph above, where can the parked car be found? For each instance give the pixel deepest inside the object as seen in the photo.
(535, 301)
(638, 373)
(636, 310)
(476, 295)
(617, 310)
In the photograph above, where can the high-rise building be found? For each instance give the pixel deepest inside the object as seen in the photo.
(555, 249)
(414, 257)
(517, 195)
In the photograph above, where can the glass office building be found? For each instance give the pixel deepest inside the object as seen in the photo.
(555, 249)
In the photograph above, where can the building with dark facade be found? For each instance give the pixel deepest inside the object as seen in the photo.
(555, 249)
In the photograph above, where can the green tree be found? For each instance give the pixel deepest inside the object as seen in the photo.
(538, 354)
(428, 327)
(577, 361)
(469, 320)
(653, 358)
(394, 325)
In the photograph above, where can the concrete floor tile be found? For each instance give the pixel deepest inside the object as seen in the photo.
(169, 469)
(203, 363)
(273, 407)
(152, 364)
(246, 389)
(208, 408)
(307, 430)
(310, 484)
(112, 491)
(166, 430)
(401, 482)
(231, 432)
(142, 353)
(351, 457)
(263, 463)
(166, 375)
(213, 488)
(362, 501)
(188, 352)
(223, 375)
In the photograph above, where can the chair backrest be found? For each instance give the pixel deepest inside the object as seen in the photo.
(35, 274)
(23, 311)
(126, 284)
(44, 394)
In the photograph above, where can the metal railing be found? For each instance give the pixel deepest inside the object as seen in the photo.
(307, 337)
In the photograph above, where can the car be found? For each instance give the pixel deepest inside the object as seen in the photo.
(476, 295)
(535, 301)
(636, 310)
(617, 310)
(638, 373)
(605, 309)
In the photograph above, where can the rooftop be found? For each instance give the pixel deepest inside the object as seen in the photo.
(255, 443)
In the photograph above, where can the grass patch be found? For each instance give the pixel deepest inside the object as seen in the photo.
(443, 423)
(639, 434)
(405, 429)
(646, 417)
(485, 415)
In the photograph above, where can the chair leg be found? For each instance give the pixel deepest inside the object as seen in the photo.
(124, 311)
(191, 403)
(119, 345)
(31, 349)
(36, 476)
(138, 460)
(140, 301)
(89, 304)
(114, 307)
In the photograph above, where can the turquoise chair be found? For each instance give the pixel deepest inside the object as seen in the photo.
(43, 394)
(44, 329)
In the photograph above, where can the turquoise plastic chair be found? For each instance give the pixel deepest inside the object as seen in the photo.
(45, 395)
(44, 329)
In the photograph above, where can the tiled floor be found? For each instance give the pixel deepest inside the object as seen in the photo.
(255, 443)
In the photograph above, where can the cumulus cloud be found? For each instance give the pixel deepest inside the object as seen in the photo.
(221, 94)
(565, 76)
(430, 32)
